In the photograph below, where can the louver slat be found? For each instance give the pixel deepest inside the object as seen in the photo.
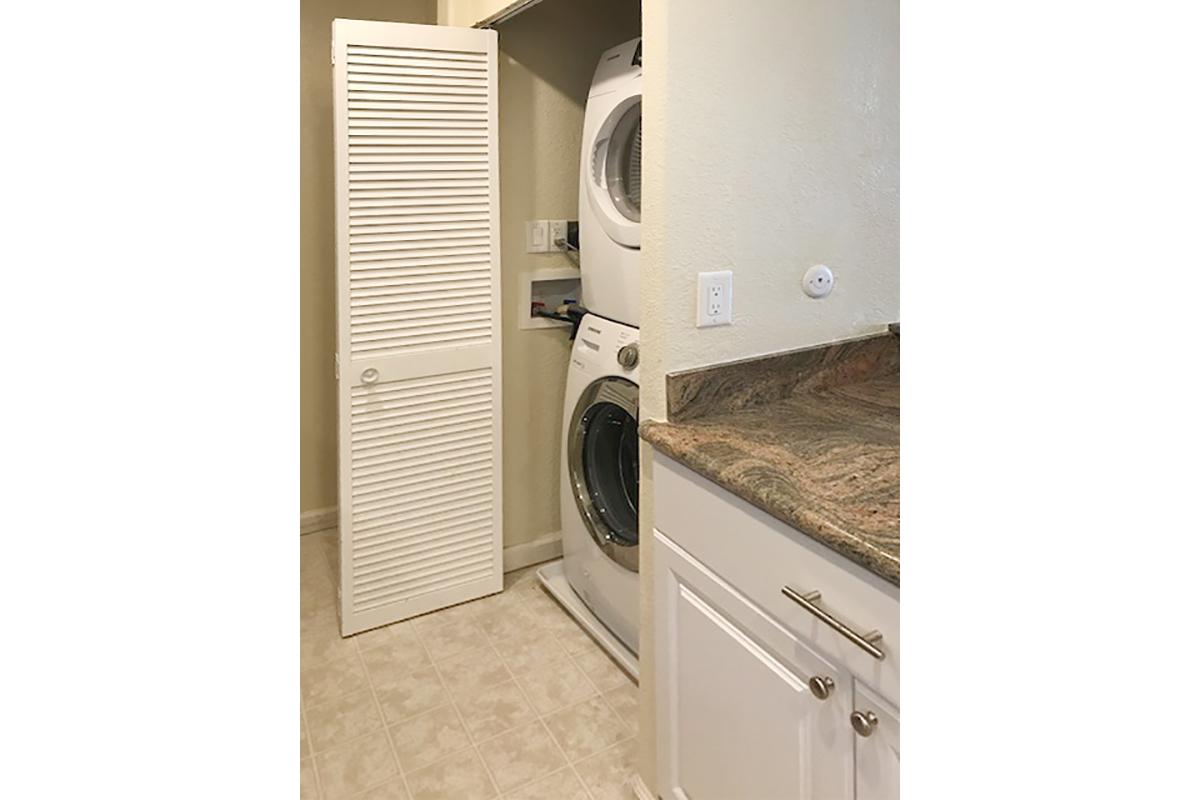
(418, 327)
(414, 497)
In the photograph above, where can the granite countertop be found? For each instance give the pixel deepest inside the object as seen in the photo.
(811, 437)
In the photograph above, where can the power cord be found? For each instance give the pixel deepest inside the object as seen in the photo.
(568, 249)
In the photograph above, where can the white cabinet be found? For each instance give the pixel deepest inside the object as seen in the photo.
(756, 697)
(734, 696)
(876, 755)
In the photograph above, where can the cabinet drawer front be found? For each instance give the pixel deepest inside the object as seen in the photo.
(759, 555)
(737, 717)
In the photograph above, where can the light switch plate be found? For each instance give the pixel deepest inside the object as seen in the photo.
(714, 298)
(537, 236)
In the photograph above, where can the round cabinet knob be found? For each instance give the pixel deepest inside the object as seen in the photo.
(370, 375)
(627, 356)
(821, 687)
(864, 722)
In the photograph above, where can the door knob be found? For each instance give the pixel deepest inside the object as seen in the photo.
(370, 375)
(864, 722)
(821, 687)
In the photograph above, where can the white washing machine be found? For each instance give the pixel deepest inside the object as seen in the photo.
(599, 487)
(610, 186)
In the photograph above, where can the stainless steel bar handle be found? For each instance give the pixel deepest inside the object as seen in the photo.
(866, 641)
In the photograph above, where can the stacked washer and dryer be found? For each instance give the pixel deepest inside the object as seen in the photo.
(597, 579)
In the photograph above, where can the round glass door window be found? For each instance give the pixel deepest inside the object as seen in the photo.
(603, 466)
(623, 164)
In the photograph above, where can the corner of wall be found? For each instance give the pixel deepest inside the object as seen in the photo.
(828, 194)
(652, 394)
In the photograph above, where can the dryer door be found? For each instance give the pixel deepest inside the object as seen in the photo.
(602, 462)
(615, 186)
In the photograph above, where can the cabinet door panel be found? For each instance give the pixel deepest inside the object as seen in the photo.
(760, 555)
(737, 717)
(877, 757)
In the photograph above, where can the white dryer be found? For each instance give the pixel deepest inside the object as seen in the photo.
(610, 186)
(599, 487)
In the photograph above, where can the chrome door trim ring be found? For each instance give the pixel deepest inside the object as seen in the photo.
(622, 393)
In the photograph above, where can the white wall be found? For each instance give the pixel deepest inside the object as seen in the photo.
(772, 130)
(770, 143)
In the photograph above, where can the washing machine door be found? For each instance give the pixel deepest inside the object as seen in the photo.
(615, 185)
(602, 456)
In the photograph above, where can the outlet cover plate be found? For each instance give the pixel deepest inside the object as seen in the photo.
(714, 298)
(558, 230)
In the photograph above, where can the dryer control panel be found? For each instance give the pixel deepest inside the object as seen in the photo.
(605, 346)
(617, 64)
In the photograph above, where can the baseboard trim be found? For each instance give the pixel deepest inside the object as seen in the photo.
(517, 556)
(545, 548)
(640, 790)
(317, 520)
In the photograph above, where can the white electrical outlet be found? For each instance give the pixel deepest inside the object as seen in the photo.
(558, 230)
(714, 299)
(537, 236)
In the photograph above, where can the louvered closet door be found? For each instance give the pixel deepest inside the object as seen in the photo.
(418, 318)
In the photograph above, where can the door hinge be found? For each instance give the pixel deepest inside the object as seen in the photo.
(337, 367)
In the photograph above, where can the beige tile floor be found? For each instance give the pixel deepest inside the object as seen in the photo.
(503, 697)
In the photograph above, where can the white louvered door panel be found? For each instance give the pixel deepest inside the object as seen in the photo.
(418, 318)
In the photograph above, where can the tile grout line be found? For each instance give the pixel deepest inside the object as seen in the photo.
(587, 677)
(525, 601)
(450, 702)
(599, 692)
(342, 742)
(312, 756)
(382, 721)
(458, 713)
(358, 655)
(358, 737)
(587, 790)
(610, 748)
(541, 720)
(539, 717)
(362, 737)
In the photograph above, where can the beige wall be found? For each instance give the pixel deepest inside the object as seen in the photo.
(547, 56)
(318, 389)
(771, 143)
(466, 13)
